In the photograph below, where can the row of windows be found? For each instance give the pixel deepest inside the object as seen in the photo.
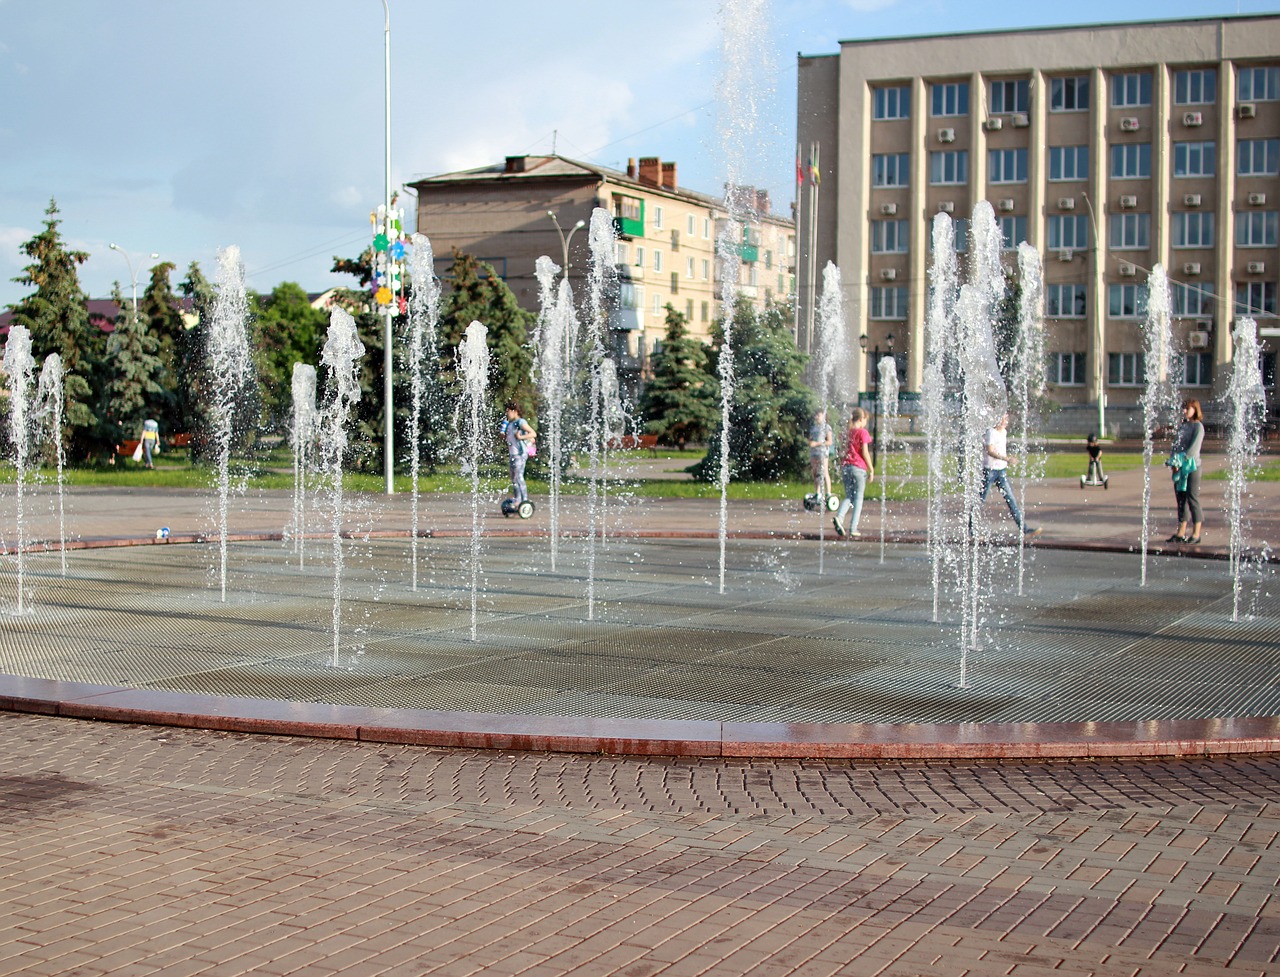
(1129, 161)
(1194, 86)
(1125, 369)
(622, 256)
(1124, 301)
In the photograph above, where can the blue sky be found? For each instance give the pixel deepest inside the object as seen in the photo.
(184, 127)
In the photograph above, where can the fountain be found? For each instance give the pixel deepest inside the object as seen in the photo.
(887, 408)
(555, 342)
(1160, 396)
(19, 365)
(1247, 404)
(603, 241)
(51, 401)
(420, 360)
(303, 437)
(473, 363)
(940, 423)
(1027, 381)
(830, 366)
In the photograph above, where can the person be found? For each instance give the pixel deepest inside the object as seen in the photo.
(856, 471)
(1095, 458)
(520, 438)
(1184, 459)
(150, 440)
(819, 450)
(995, 464)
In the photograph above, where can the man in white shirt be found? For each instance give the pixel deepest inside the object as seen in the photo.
(995, 462)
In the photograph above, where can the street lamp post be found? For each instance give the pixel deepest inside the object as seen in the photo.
(387, 353)
(133, 275)
(565, 239)
(875, 379)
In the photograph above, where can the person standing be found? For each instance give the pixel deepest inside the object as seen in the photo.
(150, 440)
(820, 439)
(519, 436)
(1184, 459)
(995, 465)
(856, 470)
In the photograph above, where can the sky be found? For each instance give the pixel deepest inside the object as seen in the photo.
(181, 128)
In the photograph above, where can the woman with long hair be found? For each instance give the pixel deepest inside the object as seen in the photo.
(1184, 459)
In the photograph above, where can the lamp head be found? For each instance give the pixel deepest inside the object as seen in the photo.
(862, 342)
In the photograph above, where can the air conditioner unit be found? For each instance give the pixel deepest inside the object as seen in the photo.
(1130, 124)
(1257, 199)
(1246, 110)
(1191, 268)
(888, 209)
(1127, 270)
(1066, 254)
(1198, 339)
(1191, 199)
(947, 207)
(1021, 121)
(946, 135)
(1192, 119)
(1128, 201)
(1066, 203)
(1256, 267)
(1006, 205)
(993, 125)
(888, 274)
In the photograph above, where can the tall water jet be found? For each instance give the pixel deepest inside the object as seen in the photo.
(603, 241)
(555, 340)
(1160, 396)
(420, 361)
(341, 355)
(1027, 379)
(473, 362)
(51, 395)
(615, 428)
(230, 369)
(1247, 404)
(887, 407)
(940, 423)
(303, 437)
(830, 358)
(20, 366)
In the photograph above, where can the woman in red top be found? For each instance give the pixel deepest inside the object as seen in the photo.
(857, 470)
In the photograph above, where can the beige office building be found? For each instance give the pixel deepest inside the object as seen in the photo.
(1111, 148)
(666, 239)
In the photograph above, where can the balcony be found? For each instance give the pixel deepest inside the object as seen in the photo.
(626, 320)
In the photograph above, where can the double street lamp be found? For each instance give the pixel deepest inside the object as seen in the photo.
(565, 239)
(133, 275)
(863, 341)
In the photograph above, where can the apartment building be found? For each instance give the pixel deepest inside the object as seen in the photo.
(666, 238)
(1110, 148)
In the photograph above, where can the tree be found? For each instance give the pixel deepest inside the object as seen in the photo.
(133, 391)
(771, 408)
(192, 404)
(161, 311)
(287, 330)
(681, 401)
(57, 315)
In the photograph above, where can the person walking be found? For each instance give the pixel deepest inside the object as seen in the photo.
(1184, 459)
(150, 440)
(856, 471)
(520, 438)
(995, 465)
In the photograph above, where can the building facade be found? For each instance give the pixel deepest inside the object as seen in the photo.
(1110, 148)
(666, 239)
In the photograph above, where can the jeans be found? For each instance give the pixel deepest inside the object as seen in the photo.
(999, 477)
(855, 486)
(1189, 500)
(517, 477)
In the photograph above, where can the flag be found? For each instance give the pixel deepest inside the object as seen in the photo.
(799, 169)
(815, 175)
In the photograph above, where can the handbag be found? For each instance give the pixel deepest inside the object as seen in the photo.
(137, 452)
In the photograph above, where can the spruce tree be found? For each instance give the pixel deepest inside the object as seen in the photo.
(161, 311)
(681, 400)
(133, 391)
(192, 406)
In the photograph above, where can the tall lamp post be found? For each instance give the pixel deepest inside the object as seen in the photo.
(133, 275)
(388, 367)
(863, 340)
(565, 239)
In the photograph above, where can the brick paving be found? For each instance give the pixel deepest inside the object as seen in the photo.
(137, 850)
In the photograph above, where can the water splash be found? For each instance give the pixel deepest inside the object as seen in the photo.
(1027, 381)
(1160, 397)
(473, 361)
(230, 369)
(420, 361)
(830, 364)
(341, 355)
(20, 367)
(940, 420)
(602, 281)
(555, 343)
(303, 436)
(51, 396)
(887, 406)
(1247, 402)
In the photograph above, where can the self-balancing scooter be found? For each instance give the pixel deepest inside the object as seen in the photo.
(512, 507)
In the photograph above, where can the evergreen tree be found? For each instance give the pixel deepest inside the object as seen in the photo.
(365, 448)
(57, 315)
(162, 313)
(287, 330)
(771, 408)
(681, 401)
(192, 406)
(133, 390)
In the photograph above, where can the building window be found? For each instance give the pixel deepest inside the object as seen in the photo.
(706, 228)
(675, 283)
(706, 268)
(639, 257)
(1131, 90)
(1131, 162)
(1192, 229)
(620, 255)
(657, 260)
(949, 167)
(1008, 165)
(706, 311)
(1198, 86)
(688, 310)
(1065, 301)
(1013, 231)
(1068, 232)
(1131, 231)
(1068, 162)
(1197, 369)
(1192, 299)
(951, 98)
(1256, 229)
(768, 261)
(657, 218)
(889, 302)
(1259, 84)
(889, 237)
(1126, 369)
(889, 170)
(1259, 157)
(1255, 297)
(1069, 94)
(1126, 301)
(691, 224)
(891, 103)
(1066, 369)
(657, 304)
(960, 228)
(689, 271)
(1010, 95)
(1195, 158)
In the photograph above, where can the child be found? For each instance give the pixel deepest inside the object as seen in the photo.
(856, 470)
